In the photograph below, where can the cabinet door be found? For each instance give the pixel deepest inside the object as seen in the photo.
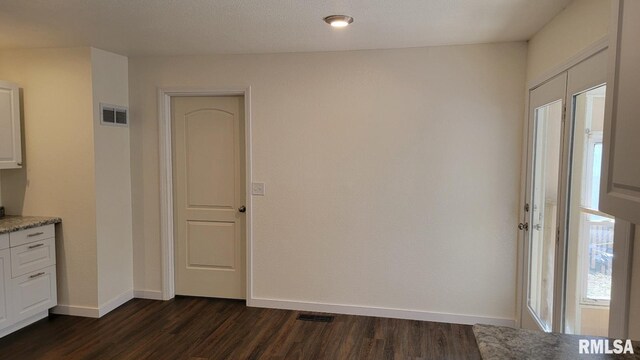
(10, 140)
(620, 177)
(6, 317)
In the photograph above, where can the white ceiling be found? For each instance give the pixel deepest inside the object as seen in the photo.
(173, 27)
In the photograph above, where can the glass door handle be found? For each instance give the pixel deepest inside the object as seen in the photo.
(537, 227)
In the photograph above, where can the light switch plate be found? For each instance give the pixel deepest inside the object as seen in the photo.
(257, 189)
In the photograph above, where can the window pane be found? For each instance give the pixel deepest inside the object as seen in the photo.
(595, 175)
(600, 255)
(544, 210)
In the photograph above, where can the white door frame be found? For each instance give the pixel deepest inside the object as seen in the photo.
(623, 234)
(167, 234)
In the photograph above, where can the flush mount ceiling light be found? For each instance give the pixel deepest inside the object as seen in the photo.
(338, 21)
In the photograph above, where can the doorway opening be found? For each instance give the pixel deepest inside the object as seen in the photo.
(591, 232)
(215, 223)
(568, 243)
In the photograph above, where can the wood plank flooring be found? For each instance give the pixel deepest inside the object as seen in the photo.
(200, 328)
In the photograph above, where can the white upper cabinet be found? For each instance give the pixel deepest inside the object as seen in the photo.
(10, 140)
(620, 177)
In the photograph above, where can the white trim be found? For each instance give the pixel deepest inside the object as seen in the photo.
(166, 181)
(598, 46)
(72, 310)
(26, 322)
(94, 312)
(115, 303)
(147, 294)
(379, 312)
(623, 234)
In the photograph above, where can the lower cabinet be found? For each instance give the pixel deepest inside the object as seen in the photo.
(34, 293)
(6, 312)
(27, 277)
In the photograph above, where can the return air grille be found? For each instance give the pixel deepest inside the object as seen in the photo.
(315, 318)
(114, 115)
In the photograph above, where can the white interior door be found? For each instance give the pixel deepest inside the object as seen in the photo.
(544, 199)
(209, 197)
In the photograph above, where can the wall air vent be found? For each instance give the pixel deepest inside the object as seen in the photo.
(114, 115)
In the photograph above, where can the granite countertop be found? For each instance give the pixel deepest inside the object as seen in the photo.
(501, 342)
(12, 223)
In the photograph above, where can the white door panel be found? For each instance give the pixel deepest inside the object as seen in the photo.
(208, 170)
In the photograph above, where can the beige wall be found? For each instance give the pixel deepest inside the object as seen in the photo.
(75, 168)
(113, 179)
(581, 24)
(58, 176)
(380, 169)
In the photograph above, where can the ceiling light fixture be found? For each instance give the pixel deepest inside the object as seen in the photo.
(338, 21)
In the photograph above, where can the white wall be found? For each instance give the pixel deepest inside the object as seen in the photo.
(113, 179)
(58, 174)
(392, 176)
(581, 24)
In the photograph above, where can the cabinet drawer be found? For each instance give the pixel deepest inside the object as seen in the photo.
(4, 241)
(30, 235)
(34, 292)
(32, 256)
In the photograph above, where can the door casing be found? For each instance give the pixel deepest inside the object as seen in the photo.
(167, 236)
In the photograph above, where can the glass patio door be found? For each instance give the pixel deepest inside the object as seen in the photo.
(590, 232)
(567, 240)
(544, 200)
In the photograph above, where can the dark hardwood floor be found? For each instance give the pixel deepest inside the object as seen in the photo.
(200, 328)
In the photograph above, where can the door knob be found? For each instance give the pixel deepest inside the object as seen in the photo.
(242, 209)
(523, 226)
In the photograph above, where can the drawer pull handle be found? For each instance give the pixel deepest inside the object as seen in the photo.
(35, 234)
(36, 275)
(34, 246)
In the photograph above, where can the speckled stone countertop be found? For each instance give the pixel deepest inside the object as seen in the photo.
(12, 223)
(501, 342)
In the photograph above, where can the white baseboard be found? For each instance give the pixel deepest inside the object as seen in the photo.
(73, 310)
(94, 312)
(147, 294)
(378, 312)
(115, 303)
